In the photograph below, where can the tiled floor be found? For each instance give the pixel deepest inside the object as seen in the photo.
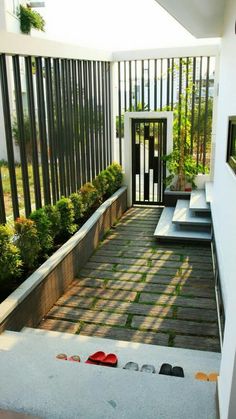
(134, 288)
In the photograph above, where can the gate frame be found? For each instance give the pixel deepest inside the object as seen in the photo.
(129, 116)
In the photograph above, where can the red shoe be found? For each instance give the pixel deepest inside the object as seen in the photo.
(110, 360)
(97, 358)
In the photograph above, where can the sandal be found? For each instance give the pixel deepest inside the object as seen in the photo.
(201, 376)
(178, 372)
(213, 376)
(74, 358)
(166, 369)
(62, 356)
(148, 368)
(133, 366)
(110, 360)
(96, 358)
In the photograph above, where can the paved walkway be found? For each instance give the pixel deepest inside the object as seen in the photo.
(136, 289)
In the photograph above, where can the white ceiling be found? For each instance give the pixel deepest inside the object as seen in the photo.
(202, 18)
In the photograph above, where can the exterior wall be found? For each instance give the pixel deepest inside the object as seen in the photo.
(224, 212)
(12, 22)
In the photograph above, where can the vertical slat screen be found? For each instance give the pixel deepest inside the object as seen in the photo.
(57, 119)
(182, 85)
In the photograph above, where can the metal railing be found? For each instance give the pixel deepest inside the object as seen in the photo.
(57, 123)
(182, 85)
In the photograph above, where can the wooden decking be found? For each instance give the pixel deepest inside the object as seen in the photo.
(135, 289)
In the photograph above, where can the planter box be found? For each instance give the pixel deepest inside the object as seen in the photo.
(171, 197)
(29, 303)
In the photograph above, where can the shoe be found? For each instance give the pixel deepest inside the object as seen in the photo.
(166, 369)
(178, 371)
(110, 360)
(148, 368)
(201, 376)
(204, 377)
(96, 358)
(74, 358)
(62, 356)
(213, 376)
(133, 366)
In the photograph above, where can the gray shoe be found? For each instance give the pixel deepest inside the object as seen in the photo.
(133, 366)
(148, 368)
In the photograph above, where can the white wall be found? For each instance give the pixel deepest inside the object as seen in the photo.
(224, 210)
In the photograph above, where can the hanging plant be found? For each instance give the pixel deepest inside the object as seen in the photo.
(30, 19)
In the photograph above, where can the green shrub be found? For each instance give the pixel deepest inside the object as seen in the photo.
(10, 261)
(90, 197)
(27, 241)
(68, 226)
(78, 206)
(54, 217)
(116, 171)
(101, 183)
(43, 226)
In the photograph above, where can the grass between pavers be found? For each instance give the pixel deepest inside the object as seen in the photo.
(175, 292)
(155, 271)
(171, 333)
(123, 246)
(171, 315)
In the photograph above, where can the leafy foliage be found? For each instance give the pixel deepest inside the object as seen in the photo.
(109, 180)
(30, 19)
(90, 196)
(43, 226)
(10, 262)
(68, 226)
(182, 163)
(54, 217)
(27, 241)
(78, 206)
(116, 170)
(101, 183)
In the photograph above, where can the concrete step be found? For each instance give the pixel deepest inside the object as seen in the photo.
(184, 216)
(166, 230)
(198, 201)
(63, 389)
(209, 192)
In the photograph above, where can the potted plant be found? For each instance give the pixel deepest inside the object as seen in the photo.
(30, 19)
(181, 165)
(182, 171)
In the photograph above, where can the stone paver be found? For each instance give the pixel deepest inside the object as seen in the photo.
(178, 301)
(134, 288)
(72, 314)
(178, 326)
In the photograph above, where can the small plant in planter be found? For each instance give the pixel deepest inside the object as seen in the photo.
(90, 197)
(10, 261)
(67, 224)
(30, 19)
(182, 171)
(27, 241)
(43, 226)
(78, 206)
(54, 217)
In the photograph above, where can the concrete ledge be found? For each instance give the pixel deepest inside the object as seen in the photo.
(28, 304)
(35, 382)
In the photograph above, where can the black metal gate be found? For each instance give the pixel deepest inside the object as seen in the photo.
(148, 168)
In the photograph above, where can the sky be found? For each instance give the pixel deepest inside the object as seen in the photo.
(114, 24)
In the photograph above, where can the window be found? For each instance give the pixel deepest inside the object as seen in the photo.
(231, 149)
